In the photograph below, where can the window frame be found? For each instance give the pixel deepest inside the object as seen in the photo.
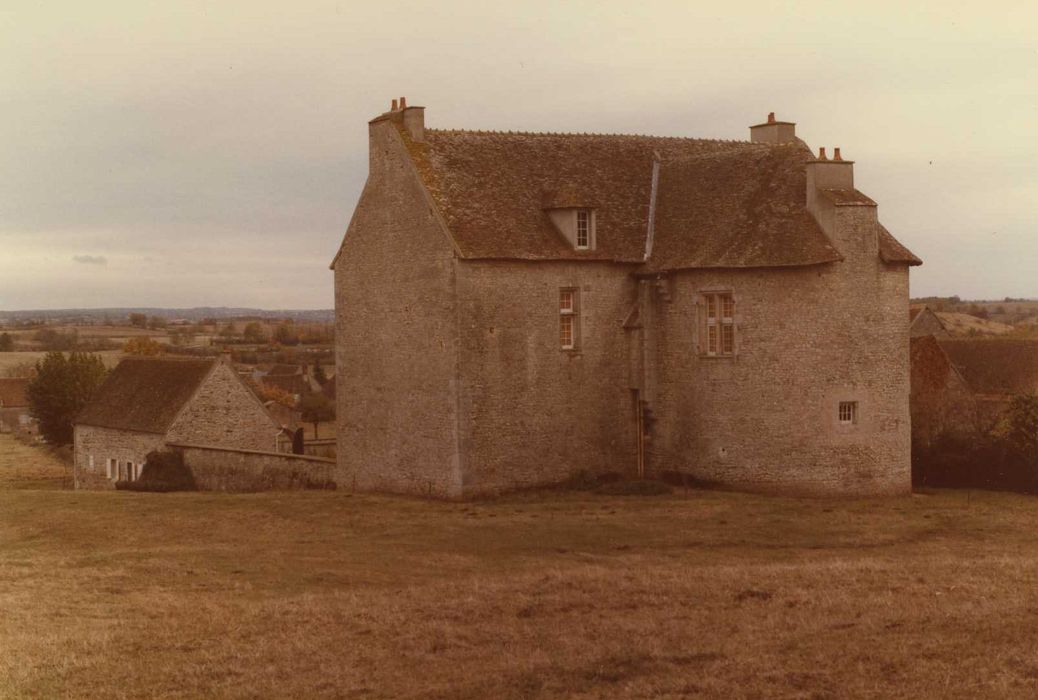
(852, 413)
(718, 329)
(582, 216)
(569, 319)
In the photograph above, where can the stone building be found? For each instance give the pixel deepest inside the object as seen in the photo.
(923, 321)
(515, 308)
(14, 405)
(147, 403)
(961, 387)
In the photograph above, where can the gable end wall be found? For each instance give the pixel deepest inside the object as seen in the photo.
(224, 413)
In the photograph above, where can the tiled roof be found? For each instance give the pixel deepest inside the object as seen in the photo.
(293, 384)
(737, 207)
(719, 203)
(996, 366)
(12, 392)
(145, 394)
(891, 250)
(284, 370)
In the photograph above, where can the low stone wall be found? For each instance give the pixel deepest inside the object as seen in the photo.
(228, 469)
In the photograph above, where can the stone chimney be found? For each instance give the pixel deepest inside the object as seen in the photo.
(773, 131)
(412, 119)
(826, 174)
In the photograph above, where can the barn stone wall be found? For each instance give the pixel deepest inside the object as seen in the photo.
(531, 412)
(103, 444)
(807, 339)
(396, 335)
(225, 413)
(226, 469)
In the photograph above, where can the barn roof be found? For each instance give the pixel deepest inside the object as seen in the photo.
(145, 394)
(718, 203)
(995, 366)
(12, 392)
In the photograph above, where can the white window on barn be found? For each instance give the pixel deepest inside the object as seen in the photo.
(90, 462)
(569, 317)
(583, 229)
(718, 326)
(848, 412)
(113, 469)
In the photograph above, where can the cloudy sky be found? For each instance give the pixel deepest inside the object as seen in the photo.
(210, 153)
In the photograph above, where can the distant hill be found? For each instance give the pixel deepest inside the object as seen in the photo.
(196, 313)
(964, 324)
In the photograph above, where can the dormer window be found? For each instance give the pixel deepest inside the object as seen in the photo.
(583, 229)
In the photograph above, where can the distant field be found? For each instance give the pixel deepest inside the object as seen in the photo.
(964, 324)
(541, 595)
(12, 359)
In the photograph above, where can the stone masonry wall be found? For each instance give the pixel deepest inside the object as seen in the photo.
(223, 469)
(396, 336)
(807, 339)
(225, 413)
(532, 413)
(103, 444)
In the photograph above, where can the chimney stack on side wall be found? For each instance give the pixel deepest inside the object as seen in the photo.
(412, 119)
(773, 131)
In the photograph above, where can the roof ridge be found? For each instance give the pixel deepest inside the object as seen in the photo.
(493, 132)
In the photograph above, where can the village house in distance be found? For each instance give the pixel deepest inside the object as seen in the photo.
(149, 403)
(515, 308)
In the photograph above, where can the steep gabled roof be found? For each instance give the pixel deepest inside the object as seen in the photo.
(997, 366)
(12, 392)
(718, 203)
(145, 394)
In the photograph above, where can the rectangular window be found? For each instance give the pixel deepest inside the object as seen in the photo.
(718, 326)
(583, 229)
(848, 412)
(112, 468)
(568, 317)
(129, 471)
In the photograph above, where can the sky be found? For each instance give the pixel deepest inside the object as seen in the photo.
(210, 153)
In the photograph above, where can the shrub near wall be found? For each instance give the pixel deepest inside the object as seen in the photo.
(985, 462)
(163, 471)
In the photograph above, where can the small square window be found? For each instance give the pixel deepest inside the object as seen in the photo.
(848, 412)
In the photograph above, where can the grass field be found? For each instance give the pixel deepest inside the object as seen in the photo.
(16, 359)
(546, 594)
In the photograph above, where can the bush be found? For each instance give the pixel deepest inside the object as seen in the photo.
(163, 472)
(634, 488)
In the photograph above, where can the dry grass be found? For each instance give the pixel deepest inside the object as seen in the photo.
(15, 359)
(541, 595)
(964, 324)
(31, 467)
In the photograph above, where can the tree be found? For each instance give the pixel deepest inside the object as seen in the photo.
(1021, 425)
(316, 408)
(269, 392)
(319, 376)
(156, 322)
(60, 389)
(142, 345)
(138, 320)
(254, 332)
(286, 333)
(6, 342)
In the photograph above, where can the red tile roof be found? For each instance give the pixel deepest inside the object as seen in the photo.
(12, 392)
(995, 366)
(719, 203)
